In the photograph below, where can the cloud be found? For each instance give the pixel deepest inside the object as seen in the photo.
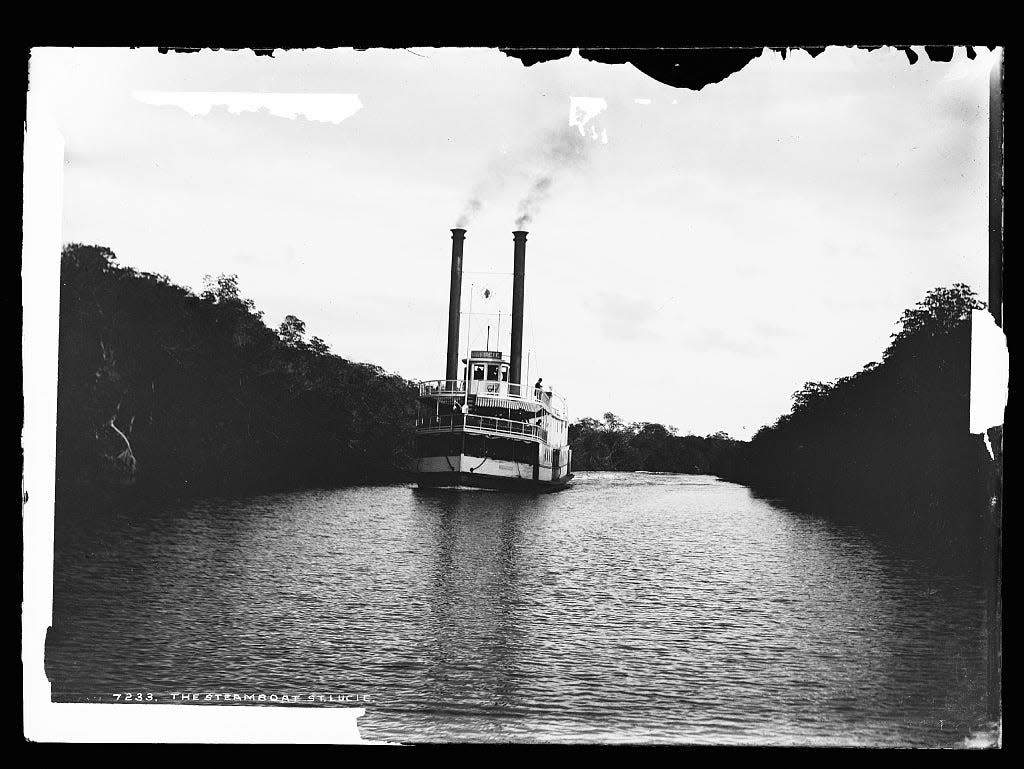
(622, 318)
(714, 339)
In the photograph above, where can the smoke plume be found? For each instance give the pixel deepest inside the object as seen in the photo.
(473, 205)
(540, 166)
(564, 150)
(536, 195)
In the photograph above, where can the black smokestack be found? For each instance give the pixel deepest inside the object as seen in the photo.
(518, 284)
(451, 368)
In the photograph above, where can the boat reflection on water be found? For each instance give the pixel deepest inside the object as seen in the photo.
(477, 636)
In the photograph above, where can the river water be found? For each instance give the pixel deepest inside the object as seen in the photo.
(630, 608)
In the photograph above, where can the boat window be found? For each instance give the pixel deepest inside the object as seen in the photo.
(504, 373)
(478, 371)
(492, 373)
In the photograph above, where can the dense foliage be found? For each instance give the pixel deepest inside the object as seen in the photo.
(890, 445)
(612, 444)
(162, 389)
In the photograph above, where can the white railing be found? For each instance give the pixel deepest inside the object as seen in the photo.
(443, 387)
(488, 387)
(474, 423)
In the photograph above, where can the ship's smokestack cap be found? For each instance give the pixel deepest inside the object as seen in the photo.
(519, 234)
(458, 232)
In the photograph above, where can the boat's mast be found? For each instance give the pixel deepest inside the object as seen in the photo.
(469, 325)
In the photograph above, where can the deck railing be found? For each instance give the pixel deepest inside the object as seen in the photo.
(487, 387)
(475, 423)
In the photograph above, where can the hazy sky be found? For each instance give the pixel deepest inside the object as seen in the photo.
(693, 258)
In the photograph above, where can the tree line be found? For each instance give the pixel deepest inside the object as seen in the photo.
(164, 390)
(888, 446)
(613, 444)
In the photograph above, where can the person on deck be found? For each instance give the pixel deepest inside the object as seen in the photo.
(538, 388)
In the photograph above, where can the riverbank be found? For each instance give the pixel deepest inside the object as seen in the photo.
(166, 393)
(888, 447)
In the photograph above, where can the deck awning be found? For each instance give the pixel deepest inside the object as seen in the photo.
(507, 403)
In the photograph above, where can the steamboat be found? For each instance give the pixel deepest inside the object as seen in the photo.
(483, 426)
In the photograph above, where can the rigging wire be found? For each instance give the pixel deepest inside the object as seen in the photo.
(533, 337)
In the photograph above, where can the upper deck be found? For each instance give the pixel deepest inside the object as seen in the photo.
(490, 392)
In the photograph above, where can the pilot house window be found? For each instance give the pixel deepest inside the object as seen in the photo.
(492, 373)
(478, 371)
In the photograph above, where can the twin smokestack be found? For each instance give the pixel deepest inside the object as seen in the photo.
(451, 371)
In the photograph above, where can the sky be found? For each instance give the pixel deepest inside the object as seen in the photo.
(693, 258)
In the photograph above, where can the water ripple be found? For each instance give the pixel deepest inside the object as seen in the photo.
(631, 608)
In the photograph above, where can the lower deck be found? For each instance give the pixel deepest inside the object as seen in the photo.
(511, 460)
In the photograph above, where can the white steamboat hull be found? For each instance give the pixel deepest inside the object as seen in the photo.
(486, 472)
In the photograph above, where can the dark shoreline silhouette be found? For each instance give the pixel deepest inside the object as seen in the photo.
(164, 393)
(889, 447)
